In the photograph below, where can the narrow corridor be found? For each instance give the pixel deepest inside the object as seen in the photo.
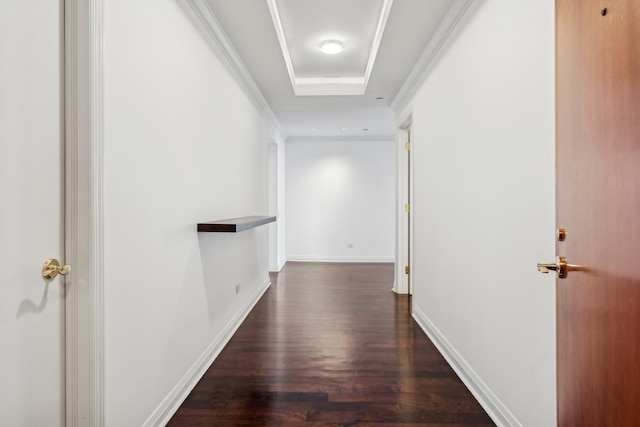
(330, 345)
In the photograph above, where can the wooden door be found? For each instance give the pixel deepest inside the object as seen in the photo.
(598, 203)
(32, 352)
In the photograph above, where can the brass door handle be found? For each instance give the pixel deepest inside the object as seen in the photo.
(52, 268)
(561, 267)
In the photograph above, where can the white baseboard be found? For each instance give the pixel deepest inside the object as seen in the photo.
(278, 268)
(489, 401)
(171, 403)
(308, 258)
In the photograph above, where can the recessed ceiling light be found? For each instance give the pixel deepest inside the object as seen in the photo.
(314, 129)
(344, 129)
(331, 47)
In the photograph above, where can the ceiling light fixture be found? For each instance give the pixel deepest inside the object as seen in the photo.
(331, 47)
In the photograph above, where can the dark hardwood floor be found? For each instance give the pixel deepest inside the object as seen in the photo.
(330, 345)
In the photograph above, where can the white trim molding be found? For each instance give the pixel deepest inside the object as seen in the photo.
(347, 138)
(354, 259)
(84, 212)
(329, 86)
(310, 86)
(278, 268)
(458, 13)
(481, 391)
(219, 36)
(97, 212)
(170, 404)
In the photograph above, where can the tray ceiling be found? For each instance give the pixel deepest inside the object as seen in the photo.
(302, 26)
(343, 96)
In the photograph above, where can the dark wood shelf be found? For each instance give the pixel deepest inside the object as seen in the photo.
(234, 225)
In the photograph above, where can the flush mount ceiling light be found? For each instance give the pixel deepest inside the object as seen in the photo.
(331, 47)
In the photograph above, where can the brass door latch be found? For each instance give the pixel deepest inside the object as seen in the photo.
(52, 268)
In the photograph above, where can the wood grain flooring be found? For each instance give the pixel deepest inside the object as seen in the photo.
(330, 345)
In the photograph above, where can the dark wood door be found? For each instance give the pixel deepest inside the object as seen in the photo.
(598, 203)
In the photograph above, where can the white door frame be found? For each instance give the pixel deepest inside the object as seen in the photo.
(404, 195)
(84, 209)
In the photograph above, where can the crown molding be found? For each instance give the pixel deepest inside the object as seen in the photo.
(310, 86)
(329, 86)
(219, 36)
(377, 38)
(450, 23)
(382, 138)
(282, 40)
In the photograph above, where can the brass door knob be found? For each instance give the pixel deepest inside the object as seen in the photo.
(561, 267)
(52, 268)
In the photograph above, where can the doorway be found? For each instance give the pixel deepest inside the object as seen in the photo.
(404, 215)
(32, 308)
(272, 192)
(51, 187)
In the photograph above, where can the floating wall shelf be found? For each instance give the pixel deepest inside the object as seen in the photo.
(234, 225)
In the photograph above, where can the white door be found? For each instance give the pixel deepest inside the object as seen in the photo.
(31, 213)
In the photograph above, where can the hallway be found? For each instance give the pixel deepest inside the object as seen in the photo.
(330, 344)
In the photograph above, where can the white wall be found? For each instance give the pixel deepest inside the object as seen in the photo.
(484, 208)
(183, 144)
(340, 193)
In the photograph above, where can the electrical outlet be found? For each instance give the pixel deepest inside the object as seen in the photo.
(350, 245)
(237, 288)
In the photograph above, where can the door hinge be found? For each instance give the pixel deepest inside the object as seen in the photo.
(407, 270)
(407, 208)
(407, 146)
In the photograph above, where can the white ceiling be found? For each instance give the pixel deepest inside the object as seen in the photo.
(301, 28)
(383, 40)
